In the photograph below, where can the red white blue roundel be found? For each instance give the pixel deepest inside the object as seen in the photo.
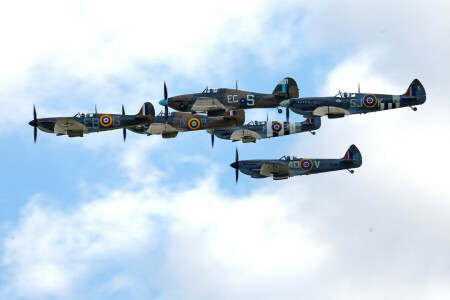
(306, 164)
(276, 127)
(194, 124)
(370, 101)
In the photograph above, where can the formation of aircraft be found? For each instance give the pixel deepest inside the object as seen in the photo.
(257, 130)
(82, 123)
(344, 104)
(221, 112)
(286, 166)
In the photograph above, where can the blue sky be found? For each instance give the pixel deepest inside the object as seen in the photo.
(94, 218)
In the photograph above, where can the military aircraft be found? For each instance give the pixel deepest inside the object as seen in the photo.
(286, 166)
(169, 124)
(344, 104)
(81, 123)
(216, 101)
(256, 130)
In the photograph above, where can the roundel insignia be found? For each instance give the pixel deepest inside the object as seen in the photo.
(242, 100)
(276, 127)
(370, 101)
(306, 165)
(194, 124)
(105, 120)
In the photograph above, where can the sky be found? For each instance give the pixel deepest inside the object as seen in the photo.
(153, 218)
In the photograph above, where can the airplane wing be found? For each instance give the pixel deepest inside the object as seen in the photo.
(245, 135)
(205, 104)
(277, 171)
(330, 110)
(70, 127)
(160, 128)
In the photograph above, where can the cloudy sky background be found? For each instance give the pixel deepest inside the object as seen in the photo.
(94, 218)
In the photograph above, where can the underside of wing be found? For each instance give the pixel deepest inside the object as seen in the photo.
(70, 127)
(277, 171)
(161, 128)
(205, 104)
(330, 111)
(245, 135)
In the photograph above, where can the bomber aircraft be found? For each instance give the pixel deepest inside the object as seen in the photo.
(168, 125)
(81, 123)
(286, 166)
(216, 101)
(256, 130)
(344, 104)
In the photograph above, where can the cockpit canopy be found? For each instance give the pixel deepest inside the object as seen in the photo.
(256, 123)
(210, 90)
(83, 115)
(288, 157)
(345, 95)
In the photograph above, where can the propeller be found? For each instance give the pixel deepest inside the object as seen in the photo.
(124, 129)
(235, 165)
(166, 108)
(212, 140)
(34, 123)
(287, 108)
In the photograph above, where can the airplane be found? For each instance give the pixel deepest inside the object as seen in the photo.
(286, 166)
(256, 130)
(168, 125)
(81, 123)
(344, 104)
(216, 101)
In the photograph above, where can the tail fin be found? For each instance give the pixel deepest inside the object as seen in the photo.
(147, 110)
(353, 155)
(287, 88)
(416, 91)
(238, 115)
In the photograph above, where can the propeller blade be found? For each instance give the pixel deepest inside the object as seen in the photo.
(34, 112)
(123, 110)
(165, 90)
(237, 155)
(35, 134)
(124, 134)
(287, 114)
(237, 175)
(212, 140)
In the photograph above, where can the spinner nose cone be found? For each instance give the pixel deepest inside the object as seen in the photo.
(164, 102)
(235, 165)
(33, 123)
(285, 103)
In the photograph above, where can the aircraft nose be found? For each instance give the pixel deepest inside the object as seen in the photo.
(235, 165)
(164, 102)
(285, 103)
(33, 123)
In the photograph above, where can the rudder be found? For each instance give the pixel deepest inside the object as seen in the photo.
(147, 110)
(287, 88)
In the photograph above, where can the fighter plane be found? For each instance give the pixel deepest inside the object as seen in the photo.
(216, 101)
(168, 125)
(286, 166)
(344, 104)
(256, 130)
(81, 123)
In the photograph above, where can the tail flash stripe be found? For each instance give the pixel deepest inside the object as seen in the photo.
(141, 111)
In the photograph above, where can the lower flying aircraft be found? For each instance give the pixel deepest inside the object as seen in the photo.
(286, 166)
(344, 104)
(81, 123)
(168, 125)
(216, 101)
(256, 130)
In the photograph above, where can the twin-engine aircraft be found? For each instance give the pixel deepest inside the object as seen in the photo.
(256, 130)
(216, 101)
(81, 123)
(168, 125)
(344, 104)
(286, 166)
